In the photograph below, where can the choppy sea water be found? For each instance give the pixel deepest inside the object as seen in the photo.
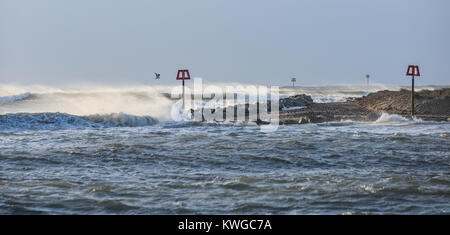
(59, 163)
(172, 168)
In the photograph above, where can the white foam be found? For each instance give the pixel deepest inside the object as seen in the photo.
(293, 108)
(178, 114)
(392, 118)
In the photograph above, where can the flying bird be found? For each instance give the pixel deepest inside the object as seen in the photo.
(157, 76)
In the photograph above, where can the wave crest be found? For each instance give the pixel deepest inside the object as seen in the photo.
(395, 118)
(65, 121)
(14, 98)
(121, 119)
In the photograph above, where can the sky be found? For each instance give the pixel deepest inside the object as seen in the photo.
(267, 42)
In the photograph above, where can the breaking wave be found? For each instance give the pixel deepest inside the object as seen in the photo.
(14, 98)
(33, 121)
(89, 102)
(395, 119)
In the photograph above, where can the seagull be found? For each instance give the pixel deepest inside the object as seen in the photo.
(157, 76)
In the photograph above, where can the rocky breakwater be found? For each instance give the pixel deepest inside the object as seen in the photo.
(429, 105)
(301, 109)
(297, 101)
(310, 112)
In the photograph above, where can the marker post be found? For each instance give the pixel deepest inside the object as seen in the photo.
(293, 80)
(183, 74)
(367, 80)
(413, 71)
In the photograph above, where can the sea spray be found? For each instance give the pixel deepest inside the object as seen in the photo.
(396, 119)
(139, 102)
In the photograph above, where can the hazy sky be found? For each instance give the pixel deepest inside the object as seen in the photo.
(321, 42)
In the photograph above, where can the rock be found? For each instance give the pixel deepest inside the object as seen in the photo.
(352, 99)
(296, 101)
(328, 112)
(399, 102)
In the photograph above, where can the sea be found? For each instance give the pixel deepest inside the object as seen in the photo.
(119, 150)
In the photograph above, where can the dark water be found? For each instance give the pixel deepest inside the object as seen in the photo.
(391, 166)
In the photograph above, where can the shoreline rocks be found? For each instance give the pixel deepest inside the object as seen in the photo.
(296, 101)
(328, 112)
(429, 105)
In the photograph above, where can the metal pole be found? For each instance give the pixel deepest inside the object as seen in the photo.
(412, 97)
(183, 93)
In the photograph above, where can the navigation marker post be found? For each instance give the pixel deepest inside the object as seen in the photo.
(367, 78)
(413, 71)
(293, 80)
(183, 74)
